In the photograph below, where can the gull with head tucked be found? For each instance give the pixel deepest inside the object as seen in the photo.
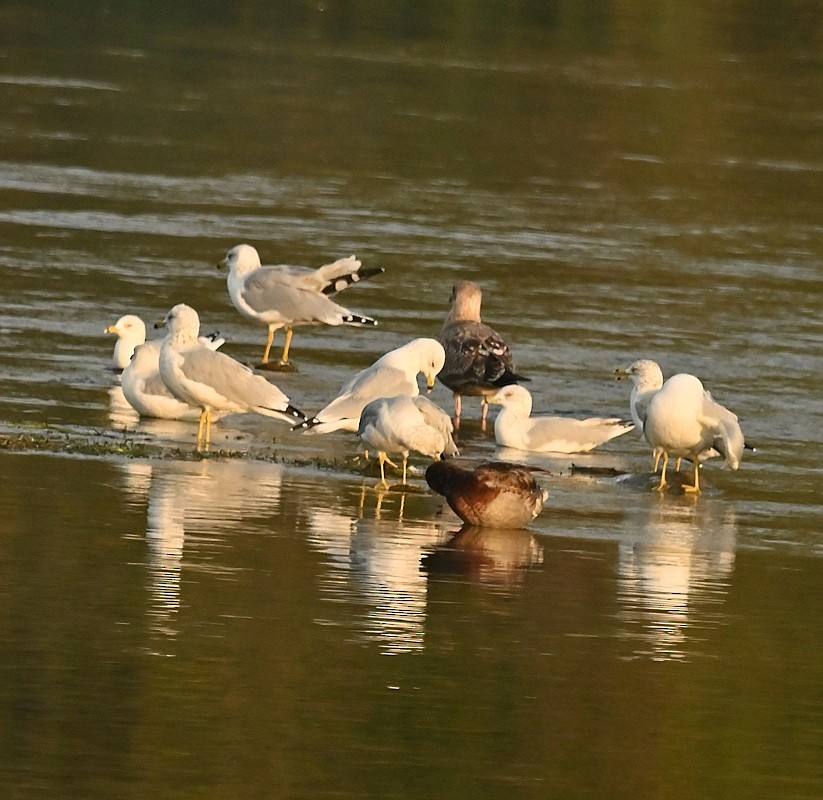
(514, 427)
(284, 296)
(403, 424)
(394, 373)
(213, 381)
(684, 421)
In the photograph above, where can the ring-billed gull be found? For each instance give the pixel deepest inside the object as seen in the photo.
(131, 332)
(403, 424)
(213, 381)
(684, 421)
(478, 360)
(145, 389)
(514, 427)
(647, 380)
(283, 296)
(493, 494)
(394, 373)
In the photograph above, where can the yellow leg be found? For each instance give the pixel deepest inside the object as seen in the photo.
(285, 358)
(405, 467)
(384, 459)
(657, 454)
(677, 464)
(269, 343)
(458, 406)
(200, 427)
(662, 485)
(695, 489)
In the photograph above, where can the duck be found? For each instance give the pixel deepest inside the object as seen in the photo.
(493, 494)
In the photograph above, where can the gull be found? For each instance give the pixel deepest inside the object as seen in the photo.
(403, 424)
(213, 381)
(492, 494)
(394, 373)
(283, 296)
(131, 332)
(145, 390)
(478, 360)
(684, 421)
(514, 427)
(647, 380)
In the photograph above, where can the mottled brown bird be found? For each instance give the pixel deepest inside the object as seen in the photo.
(492, 494)
(478, 360)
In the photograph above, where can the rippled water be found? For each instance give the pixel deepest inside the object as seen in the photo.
(622, 185)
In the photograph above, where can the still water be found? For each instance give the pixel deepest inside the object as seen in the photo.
(623, 183)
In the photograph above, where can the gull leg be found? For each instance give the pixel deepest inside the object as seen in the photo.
(657, 454)
(285, 358)
(695, 489)
(677, 464)
(269, 343)
(662, 485)
(208, 428)
(484, 404)
(458, 409)
(405, 467)
(384, 459)
(200, 428)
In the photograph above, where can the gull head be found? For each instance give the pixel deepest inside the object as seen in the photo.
(513, 398)
(183, 324)
(645, 374)
(241, 259)
(130, 328)
(465, 301)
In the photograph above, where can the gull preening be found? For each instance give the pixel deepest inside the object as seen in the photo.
(284, 296)
(684, 421)
(394, 373)
(493, 494)
(213, 381)
(478, 360)
(404, 424)
(514, 427)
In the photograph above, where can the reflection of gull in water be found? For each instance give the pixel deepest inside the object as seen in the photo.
(679, 561)
(378, 561)
(190, 506)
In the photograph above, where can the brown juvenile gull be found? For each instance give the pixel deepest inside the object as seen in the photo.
(403, 424)
(514, 427)
(684, 421)
(284, 296)
(478, 360)
(394, 373)
(213, 381)
(492, 494)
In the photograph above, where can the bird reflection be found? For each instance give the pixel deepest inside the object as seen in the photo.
(492, 555)
(189, 506)
(376, 559)
(680, 559)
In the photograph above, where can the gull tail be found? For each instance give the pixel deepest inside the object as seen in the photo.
(356, 319)
(342, 282)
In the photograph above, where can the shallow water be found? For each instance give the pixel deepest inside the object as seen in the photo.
(621, 185)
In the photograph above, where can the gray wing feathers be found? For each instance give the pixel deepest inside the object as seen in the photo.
(729, 441)
(300, 306)
(573, 435)
(232, 380)
(363, 388)
(439, 420)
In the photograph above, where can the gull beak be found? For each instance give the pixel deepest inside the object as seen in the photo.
(621, 373)
(161, 323)
(221, 264)
(111, 329)
(429, 382)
